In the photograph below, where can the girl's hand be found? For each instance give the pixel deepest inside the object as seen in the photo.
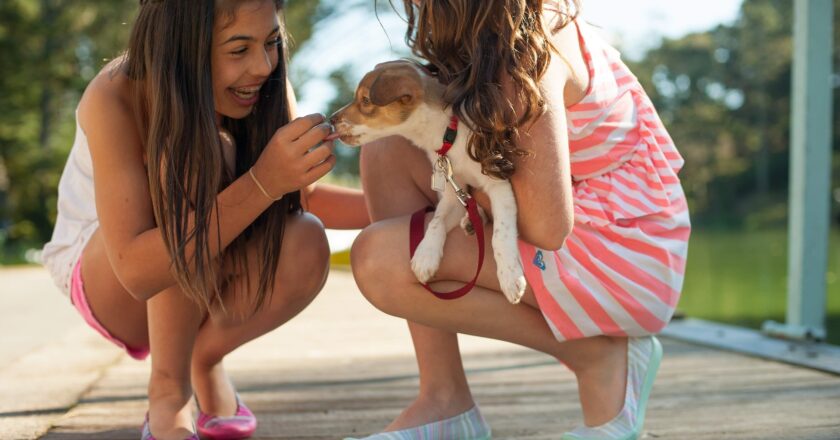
(297, 155)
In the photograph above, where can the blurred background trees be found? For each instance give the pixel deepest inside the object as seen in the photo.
(49, 50)
(723, 93)
(725, 96)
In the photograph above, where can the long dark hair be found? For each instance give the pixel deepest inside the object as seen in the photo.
(168, 61)
(470, 44)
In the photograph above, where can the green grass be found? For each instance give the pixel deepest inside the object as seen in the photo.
(741, 278)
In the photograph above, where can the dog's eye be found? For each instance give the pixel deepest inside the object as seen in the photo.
(366, 100)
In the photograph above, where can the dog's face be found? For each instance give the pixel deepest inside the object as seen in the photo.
(386, 98)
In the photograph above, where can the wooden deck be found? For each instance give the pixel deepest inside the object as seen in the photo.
(305, 381)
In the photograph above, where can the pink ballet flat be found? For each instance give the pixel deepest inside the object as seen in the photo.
(238, 426)
(147, 433)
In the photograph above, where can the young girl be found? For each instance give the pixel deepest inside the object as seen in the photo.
(602, 218)
(180, 229)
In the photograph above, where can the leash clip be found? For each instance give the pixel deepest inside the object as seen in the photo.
(445, 166)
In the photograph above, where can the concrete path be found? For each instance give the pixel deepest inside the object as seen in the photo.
(48, 357)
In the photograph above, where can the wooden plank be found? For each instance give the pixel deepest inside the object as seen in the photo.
(700, 394)
(344, 369)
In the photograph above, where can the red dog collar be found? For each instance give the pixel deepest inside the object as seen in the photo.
(449, 136)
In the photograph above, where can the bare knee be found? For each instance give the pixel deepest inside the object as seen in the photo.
(377, 268)
(300, 274)
(305, 259)
(303, 268)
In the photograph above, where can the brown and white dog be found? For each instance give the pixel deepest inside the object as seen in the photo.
(401, 98)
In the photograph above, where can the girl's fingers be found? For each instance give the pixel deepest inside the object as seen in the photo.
(313, 137)
(297, 128)
(320, 170)
(318, 154)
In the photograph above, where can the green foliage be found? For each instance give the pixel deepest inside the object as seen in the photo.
(724, 95)
(300, 17)
(49, 49)
(740, 277)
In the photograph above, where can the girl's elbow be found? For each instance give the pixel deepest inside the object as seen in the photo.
(553, 241)
(562, 235)
(141, 295)
(563, 227)
(137, 291)
(134, 282)
(551, 236)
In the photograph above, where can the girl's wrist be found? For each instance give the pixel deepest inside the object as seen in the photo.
(261, 188)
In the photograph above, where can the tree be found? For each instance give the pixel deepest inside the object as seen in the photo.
(725, 96)
(49, 50)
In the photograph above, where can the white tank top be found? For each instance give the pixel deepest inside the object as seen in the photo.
(76, 220)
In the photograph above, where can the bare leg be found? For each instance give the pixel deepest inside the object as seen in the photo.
(304, 246)
(396, 184)
(393, 189)
(176, 330)
(112, 305)
(169, 321)
(173, 324)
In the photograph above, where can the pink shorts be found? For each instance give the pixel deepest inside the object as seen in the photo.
(79, 300)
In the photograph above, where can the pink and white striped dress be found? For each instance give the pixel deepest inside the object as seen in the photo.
(621, 269)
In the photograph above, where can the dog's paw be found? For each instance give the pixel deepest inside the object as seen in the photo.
(513, 283)
(466, 224)
(426, 260)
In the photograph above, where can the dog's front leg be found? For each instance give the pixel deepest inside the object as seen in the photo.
(429, 252)
(505, 248)
(466, 223)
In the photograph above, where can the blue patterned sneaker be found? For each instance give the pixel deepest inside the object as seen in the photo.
(643, 358)
(465, 426)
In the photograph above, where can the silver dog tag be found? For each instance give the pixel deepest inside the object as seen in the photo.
(438, 180)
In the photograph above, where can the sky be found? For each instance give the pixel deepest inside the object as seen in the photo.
(355, 37)
(639, 25)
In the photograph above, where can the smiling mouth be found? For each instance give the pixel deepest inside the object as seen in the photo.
(245, 96)
(246, 93)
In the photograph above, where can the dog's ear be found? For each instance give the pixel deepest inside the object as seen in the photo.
(393, 85)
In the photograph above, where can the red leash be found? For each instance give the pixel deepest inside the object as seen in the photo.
(417, 231)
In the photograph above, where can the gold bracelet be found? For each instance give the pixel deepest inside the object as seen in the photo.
(257, 182)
